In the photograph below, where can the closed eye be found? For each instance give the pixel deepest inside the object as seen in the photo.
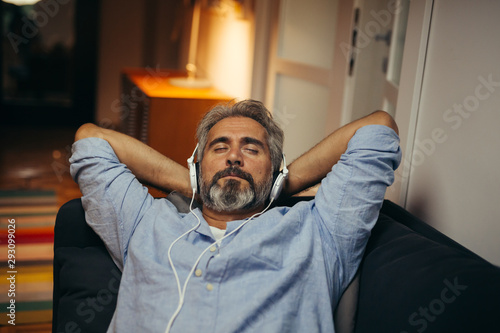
(220, 149)
(252, 151)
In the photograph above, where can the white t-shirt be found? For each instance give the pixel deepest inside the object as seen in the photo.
(218, 233)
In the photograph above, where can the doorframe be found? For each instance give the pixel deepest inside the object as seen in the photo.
(410, 90)
(262, 26)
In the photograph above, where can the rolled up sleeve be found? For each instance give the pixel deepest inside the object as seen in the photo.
(113, 199)
(350, 197)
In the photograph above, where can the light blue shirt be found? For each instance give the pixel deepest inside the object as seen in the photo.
(284, 271)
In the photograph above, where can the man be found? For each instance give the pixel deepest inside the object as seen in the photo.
(235, 266)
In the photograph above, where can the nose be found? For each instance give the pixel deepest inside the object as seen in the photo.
(234, 158)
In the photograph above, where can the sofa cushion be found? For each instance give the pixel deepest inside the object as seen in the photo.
(410, 283)
(88, 285)
(345, 312)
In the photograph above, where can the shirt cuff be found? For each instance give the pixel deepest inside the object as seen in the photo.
(377, 138)
(92, 147)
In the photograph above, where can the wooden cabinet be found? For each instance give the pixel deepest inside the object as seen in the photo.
(161, 115)
(164, 116)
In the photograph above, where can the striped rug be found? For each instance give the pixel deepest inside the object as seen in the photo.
(27, 217)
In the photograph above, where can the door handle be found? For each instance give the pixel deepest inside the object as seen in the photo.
(384, 38)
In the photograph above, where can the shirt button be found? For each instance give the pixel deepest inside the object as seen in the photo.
(198, 272)
(210, 287)
(213, 248)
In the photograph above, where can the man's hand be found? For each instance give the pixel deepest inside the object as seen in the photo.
(148, 165)
(314, 165)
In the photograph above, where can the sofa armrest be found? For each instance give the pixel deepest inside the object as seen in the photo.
(415, 279)
(86, 280)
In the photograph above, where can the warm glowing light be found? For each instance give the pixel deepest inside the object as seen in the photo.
(161, 87)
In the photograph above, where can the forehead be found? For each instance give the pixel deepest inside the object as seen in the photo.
(237, 128)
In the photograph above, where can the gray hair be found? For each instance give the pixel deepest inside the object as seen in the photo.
(247, 108)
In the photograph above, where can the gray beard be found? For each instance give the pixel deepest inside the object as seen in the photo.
(231, 197)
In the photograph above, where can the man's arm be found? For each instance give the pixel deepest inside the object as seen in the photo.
(148, 165)
(314, 165)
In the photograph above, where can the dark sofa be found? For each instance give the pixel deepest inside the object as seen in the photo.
(412, 279)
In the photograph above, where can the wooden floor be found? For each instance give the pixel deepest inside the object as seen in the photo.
(37, 158)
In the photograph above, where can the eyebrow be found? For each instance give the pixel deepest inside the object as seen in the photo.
(249, 140)
(246, 140)
(215, 141)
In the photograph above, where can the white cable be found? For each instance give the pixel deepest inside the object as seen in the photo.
(172, 263)
(183, 293)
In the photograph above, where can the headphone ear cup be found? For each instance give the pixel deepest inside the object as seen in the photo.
(197, 169)
(279, 178)
(193, 176)
(277, 186)
(193, 171)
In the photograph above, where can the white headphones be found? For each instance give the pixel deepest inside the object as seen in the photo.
(193, 172)
(278, 184)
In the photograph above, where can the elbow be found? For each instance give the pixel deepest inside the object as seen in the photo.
(384, 118)
(88, 131)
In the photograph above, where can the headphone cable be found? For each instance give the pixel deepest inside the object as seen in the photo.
(183, 292)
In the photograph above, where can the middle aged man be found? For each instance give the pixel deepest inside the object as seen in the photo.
(235, 265)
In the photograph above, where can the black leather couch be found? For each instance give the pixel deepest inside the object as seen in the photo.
(412, 279)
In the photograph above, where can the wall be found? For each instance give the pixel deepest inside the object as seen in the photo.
(120, 45)
(225, 51)
(454, 183)
(144, 33)
(155, 34)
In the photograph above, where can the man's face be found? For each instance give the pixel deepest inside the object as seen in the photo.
(236, 170)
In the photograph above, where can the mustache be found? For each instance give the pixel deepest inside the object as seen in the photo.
(233, 171)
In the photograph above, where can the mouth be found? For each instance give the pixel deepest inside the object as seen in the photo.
(236, 174)
(233, 176)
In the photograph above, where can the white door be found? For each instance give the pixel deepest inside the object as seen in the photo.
(332, 61)
(307, 70)
(375, 53)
